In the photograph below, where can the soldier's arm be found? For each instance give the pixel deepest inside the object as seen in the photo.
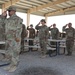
(64, 28)
(37, 26)
(74, 33)
(28, 28)
(58, 32)
(34, 33)
(47, 33)
(25, 31)
(50, 28)
(18, 29)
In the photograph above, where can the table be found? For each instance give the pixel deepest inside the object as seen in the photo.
(57, 43)
(50, 40)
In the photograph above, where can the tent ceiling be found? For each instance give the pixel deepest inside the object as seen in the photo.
(41, 7)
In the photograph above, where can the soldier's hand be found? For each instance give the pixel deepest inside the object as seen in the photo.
(66, 25)
(39, 23)
(17, 39)
(51, 25)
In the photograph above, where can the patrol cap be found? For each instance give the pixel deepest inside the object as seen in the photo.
(43, 20)
(31, 25)
(70, 23)
(11, 8)
(54, 24)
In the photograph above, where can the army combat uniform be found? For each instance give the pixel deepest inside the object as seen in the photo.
(31, 36)
(54, 34)
(13, 30)
(43, 36)
(2, 30)
(70, 34)
(23, 35)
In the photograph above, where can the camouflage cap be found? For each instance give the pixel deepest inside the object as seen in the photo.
(11, 8)
(31, 25)
(70, 23)
(54, 24)
(43, 20)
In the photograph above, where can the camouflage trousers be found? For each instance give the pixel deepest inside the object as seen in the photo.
(12, 50)
(22, 44)
(69, 45)
(43, 45)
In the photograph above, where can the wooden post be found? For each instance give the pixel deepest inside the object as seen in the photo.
(28, 18)
(46, 19)
(3, 8)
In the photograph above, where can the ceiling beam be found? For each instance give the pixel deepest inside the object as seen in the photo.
(46, 5)
(61, 11)
(9, 3)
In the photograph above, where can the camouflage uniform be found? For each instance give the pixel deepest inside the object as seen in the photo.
(43, 36)
(13, 30)
(31, 36)
(23, 35)
(54, 33)
(2, 28)
(70, 34)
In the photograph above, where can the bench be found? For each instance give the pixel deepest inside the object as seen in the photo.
(2, 51)
(62, 45)
(50, 49)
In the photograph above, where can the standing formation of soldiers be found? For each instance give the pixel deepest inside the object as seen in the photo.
(14, 31)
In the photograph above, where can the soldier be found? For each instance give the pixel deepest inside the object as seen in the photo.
(13, 28)
(70, 34)
(31, 35)
(23, 35)
(54, 33)
(2, 28)
(43, 36)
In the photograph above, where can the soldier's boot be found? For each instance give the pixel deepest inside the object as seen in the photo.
(69, 54)
(43, 55)
(7, 67)
(12, 68)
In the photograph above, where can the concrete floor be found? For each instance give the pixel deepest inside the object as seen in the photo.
(31, 62)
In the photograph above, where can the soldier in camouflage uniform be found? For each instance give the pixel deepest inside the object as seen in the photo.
(43, 36)
(13, 28)
(70, 34)
(54, 33)
(31, 36)
(23, 35)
